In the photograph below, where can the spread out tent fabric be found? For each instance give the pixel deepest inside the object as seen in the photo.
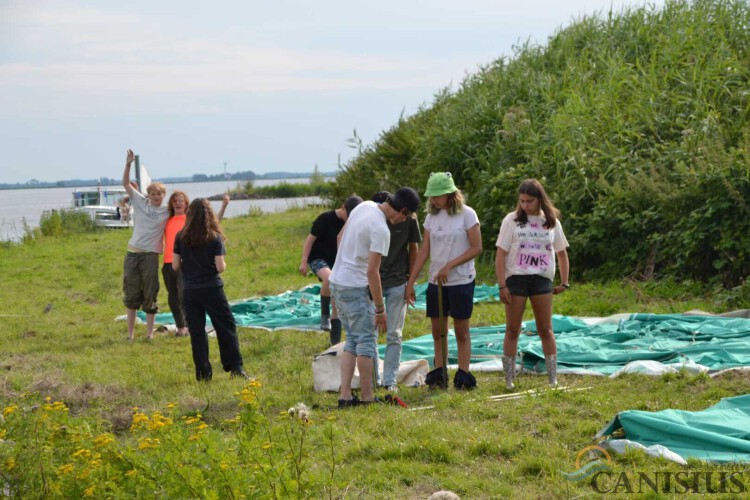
(604, 346)
(300, 310)
(719, 434)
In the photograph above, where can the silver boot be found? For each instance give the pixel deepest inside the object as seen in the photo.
(509, 367)
(551, 364)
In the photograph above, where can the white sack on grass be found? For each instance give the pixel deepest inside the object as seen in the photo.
(326, 368)
(648, 367)
(620, 446)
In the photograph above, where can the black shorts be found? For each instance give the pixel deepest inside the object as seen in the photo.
(528, 285)
(458, 301)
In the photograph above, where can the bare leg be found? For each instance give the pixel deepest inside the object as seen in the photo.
(463, 341)
(365, 367)
(542, 306)
(348, 360)
(131, 324)
(513, 319)
(150, 325)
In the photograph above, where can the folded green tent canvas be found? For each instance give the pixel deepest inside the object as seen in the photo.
(719, 434)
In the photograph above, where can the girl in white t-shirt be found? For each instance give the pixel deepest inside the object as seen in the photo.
(529, 239)
(451, 240)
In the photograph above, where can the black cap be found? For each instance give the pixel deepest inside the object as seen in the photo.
(351, 203)
(407, 198)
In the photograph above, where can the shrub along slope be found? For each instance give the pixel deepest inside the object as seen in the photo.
(636, 122)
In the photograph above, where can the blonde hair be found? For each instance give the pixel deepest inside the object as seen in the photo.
(455, 204)
(159, 187)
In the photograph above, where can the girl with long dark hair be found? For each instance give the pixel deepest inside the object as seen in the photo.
(529, 239)
(199, 253)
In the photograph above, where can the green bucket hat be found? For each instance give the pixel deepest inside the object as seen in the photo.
(440, 183)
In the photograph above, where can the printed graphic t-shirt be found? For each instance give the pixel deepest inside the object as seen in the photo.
(531, 247)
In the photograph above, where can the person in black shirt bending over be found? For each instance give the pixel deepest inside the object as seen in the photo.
(319, 255)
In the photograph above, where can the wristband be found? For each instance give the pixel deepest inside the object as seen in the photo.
(501, 287)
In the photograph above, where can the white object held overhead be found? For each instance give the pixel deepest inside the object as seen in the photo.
(141, 175)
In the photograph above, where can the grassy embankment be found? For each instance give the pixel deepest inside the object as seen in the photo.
(138, 425)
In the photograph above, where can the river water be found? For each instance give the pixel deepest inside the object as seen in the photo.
(24, 207)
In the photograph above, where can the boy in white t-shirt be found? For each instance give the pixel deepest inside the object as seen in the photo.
(357, 290)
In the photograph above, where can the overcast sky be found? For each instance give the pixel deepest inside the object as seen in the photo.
(262, 86)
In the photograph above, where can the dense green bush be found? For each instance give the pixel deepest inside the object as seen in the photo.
(636, 122)
(65, 222)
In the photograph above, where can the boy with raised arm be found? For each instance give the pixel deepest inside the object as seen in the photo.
(140, 281)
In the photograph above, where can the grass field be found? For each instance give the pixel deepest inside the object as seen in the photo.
(86, 413)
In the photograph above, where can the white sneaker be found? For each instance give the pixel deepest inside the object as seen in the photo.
(392, 388)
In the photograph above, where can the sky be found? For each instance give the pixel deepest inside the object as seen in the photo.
(207, 87)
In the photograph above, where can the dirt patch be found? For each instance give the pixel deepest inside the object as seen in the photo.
(741, 374)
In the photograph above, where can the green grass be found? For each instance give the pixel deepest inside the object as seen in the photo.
(77, 354)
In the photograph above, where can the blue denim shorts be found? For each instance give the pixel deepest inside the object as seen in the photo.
(528, 285)
(318, 264)
(357, 314)
(458, 301)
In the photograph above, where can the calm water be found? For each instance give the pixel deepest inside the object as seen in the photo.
(26, 205)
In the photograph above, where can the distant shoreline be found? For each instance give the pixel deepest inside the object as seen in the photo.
(46, 185)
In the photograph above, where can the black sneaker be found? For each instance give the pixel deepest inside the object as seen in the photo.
(239, 373)
(437, 378)
(464, 381)
(348, 403)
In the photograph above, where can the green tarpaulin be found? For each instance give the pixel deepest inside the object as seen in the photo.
(718, 434)
(301, 309)
(603, 346)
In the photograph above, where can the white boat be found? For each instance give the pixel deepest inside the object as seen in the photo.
(103, 204)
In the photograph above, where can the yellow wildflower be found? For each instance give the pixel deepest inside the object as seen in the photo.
(9, 409)
(201, 426)
(267, 446)
(194, 437)
(131, 473)
(171, 405)
(81, 452)
(10, 463)
(148, 443)
(89, 492)
(66, 469)
(103, 440)
(224, 466)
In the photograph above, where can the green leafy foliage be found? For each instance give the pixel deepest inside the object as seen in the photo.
(635, 122)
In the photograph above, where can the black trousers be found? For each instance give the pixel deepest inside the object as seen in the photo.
(173, 282)
(212, 301)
